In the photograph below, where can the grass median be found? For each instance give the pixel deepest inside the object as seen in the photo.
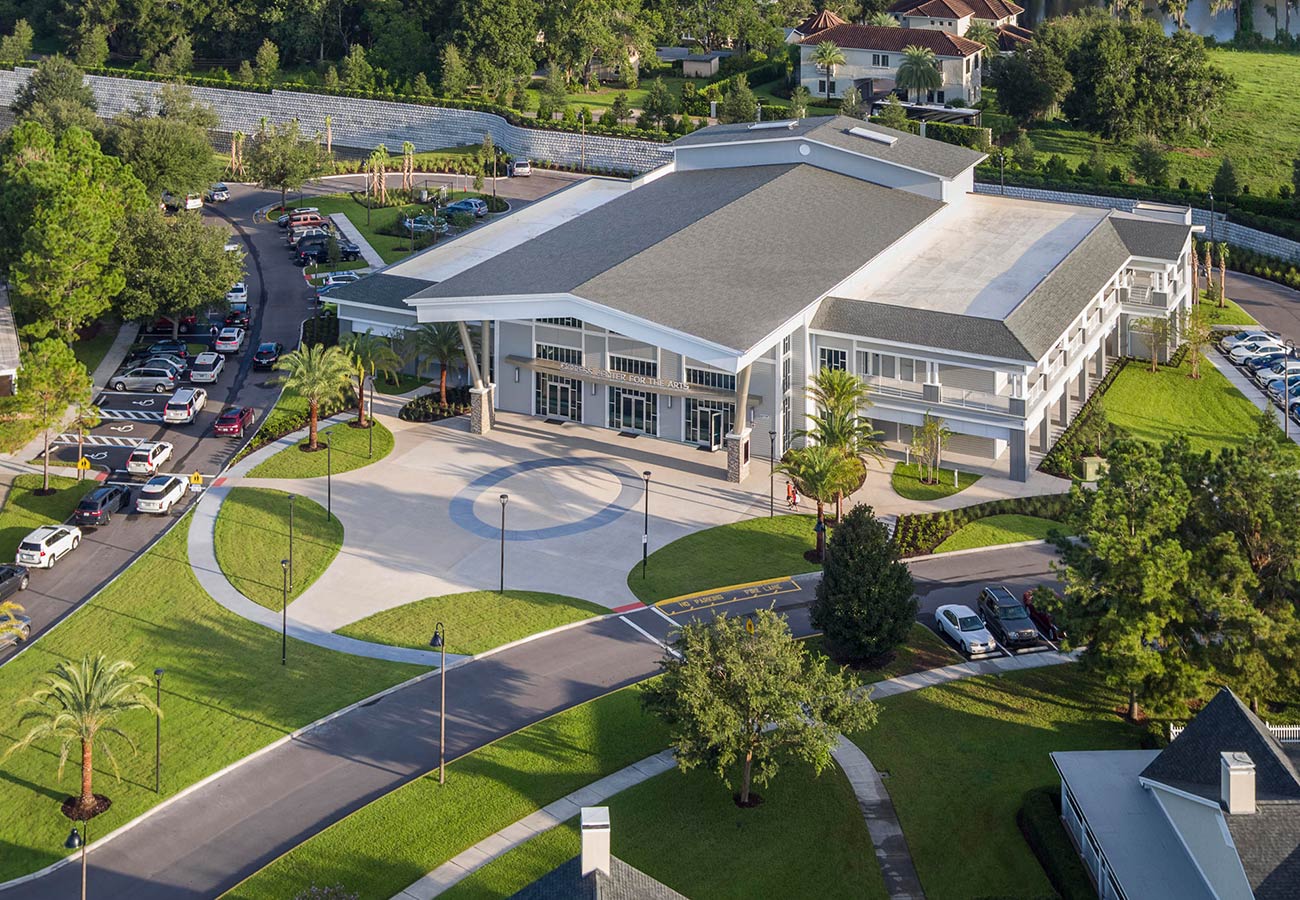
(350, 449)
(923, 650)
(994, 530)
(25, 510)
(749, 550)
(906, 482)
(477, 620)
(225, 695)
(252, 537)
(960, 758)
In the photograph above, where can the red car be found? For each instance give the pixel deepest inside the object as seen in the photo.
(1042, 618)
(234, 420)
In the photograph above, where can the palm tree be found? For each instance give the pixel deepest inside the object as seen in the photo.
(81, 702)
(918, 71)
(9, 623)
(1222, 247)
(840, 396)
(826, 57)
(983, 33)
(368, 355)
(319, 374)
(820, 472)
(882, 19)
(440, 342)
(1175, 9)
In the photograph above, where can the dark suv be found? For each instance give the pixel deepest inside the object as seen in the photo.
(97, 507)
(317, 251)
(1007, 617)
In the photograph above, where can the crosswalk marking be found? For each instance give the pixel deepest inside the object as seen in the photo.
(131, 414)
(97, 440)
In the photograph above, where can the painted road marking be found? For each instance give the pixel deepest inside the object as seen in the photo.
(648, 636)
(758, 590)
(97, 440)
(134, 415)
(667, 618)
(122, 429)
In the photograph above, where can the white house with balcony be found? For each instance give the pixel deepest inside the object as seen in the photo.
(872, 54)
(694, 303)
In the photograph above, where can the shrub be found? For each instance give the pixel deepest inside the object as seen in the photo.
(1090, 434)
(917, 534)
(429, 408)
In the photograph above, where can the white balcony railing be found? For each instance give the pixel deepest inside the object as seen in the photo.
(892, 387)
(976, 399)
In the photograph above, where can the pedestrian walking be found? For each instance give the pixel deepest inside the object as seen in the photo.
(791, 495)
(214, 331)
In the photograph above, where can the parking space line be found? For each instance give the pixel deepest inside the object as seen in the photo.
(663, 615)
(648, 636)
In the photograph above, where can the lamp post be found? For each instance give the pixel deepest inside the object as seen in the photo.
(291, 496)
(1002, 170)
(329, 478)
(157, 732)
(505, 498)
(284, 614)
(439, 642)
(771, 475)
(75, 840)
(1211, 217)
(371, 414)
(645, 526)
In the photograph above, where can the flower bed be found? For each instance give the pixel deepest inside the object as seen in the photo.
(429, 408)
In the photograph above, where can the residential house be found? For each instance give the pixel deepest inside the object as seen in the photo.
(872, 54)
(956, 17)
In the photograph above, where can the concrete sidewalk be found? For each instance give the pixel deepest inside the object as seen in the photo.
(352, 233)
(1252, 392)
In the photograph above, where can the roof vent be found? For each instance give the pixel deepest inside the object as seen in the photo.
(880, 138)
(1237, 783)
(783, 123)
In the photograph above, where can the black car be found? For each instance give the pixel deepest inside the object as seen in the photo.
(1255, 363)
(238, 317)
(1007, 617)
(175, 348)
(12, 580)
(97, 507)
(318, 252)
(267, 355)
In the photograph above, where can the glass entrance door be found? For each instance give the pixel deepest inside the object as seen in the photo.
(559, 399)
(715, 429)
(632, 417)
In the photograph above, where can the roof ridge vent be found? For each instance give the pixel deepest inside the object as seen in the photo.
(782, 123)
(878, 136)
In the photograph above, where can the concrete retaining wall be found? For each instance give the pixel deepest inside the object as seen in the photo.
(1237, 235)
(365, 124)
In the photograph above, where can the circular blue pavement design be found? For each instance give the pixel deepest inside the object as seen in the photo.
(462, 505)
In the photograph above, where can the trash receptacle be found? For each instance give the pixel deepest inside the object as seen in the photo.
(1092, 467)
(424, 195)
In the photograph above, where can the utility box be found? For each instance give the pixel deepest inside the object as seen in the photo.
(1093, 467)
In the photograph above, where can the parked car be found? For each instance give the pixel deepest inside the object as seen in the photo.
(12, 580)
(1263, 362)
(1242, 337)
(297, 235)
(19, 634)
(47, 545)
(207, 367)
(158, 379)
(472, 205)
(164, 325)
(230, 340)
(1047, 626)
(964, 628)
(97, 507)
(189, 201)
(238, 293)
(159, 494)
(521, 168)
(1242, 352)
(319, 253)
(334, 278)
(1278, 371)
(425, 224)
(267, 355)
(184, 405)
(283, 221)
(218, 193)
(1006, 617)
(232, 245)
(180, 367)
(234, 420)
(238, 316)
(147, 457)
(175, 348)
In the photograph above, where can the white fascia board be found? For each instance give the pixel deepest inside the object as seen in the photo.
(978, 360)
(342, 304)
(1151, 785)
(547, 306)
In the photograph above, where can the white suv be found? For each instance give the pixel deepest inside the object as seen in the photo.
(184, 405)
(207, 367)
(160, 494)
(147, 457)
(47, 545)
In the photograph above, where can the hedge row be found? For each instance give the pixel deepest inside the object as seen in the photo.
(1039, 818)
(1263, 266)
(974, 137)
(430, 408)
(917, 534)
(1088, 435)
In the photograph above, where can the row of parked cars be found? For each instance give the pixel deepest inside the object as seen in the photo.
(1271, 362)
(1000, 618)
(308, 233)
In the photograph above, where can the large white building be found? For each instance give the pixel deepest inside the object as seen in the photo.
(693, 303)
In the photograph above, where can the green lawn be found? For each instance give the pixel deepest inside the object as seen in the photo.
(601, 99)
(404, 383)
(922, 651)
(994, 530)
(349, 450)
(807, 839)
(390, 247)
(906, 482)
(476, 621)
(1154, 406)
(961, 756)
(91, 351)
(380, 849)
(1230, 314)
(225, 695)
(252, 537)
(24, 511)
(751, 550)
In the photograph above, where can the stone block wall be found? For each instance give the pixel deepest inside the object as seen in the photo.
(365, 124)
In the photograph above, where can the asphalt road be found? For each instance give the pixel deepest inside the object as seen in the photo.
(218, 835)
(1274, 306)
(278, 300)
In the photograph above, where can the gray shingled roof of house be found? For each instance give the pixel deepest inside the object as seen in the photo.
(726, 255)
(1268, 843)
(565, 882)
(926, 327)
(380, 289)
(910, 150)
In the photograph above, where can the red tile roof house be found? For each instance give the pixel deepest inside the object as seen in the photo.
(872, 54)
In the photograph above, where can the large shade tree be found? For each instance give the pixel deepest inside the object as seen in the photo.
(280, 158)
(51, 379)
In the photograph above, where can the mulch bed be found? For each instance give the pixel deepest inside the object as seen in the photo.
(74, 811)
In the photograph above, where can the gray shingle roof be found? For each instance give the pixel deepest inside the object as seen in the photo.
(1268, 843)
(926, 327)
(1151, 238)
(380, 289)
(623, 882)
(726, 255)
(910, 150)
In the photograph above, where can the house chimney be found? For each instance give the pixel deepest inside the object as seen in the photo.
(595, 838)
(1236, 785)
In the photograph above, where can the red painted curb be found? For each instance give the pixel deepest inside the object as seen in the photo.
(629, 607)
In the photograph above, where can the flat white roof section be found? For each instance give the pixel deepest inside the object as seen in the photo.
(787, 124)
(443, 260)
(879, 137)
(981, 257)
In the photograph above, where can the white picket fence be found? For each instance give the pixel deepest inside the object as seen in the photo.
(1287, 734)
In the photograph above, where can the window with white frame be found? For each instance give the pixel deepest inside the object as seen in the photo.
(565, 322)
(880, 59)
(632, 366)
(832, 358)
(708, 378)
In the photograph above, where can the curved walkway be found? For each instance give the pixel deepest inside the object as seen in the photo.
(896, 867)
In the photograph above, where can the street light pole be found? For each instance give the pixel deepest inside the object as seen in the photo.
(284, 614)
(157, 733)
(329, 478)
(75, 840)
(505, 498)
(645, 526)
(1211, 217)
(291, 496)
(371, 452)
(1002, 170)
(439, 642)
(771, 475)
